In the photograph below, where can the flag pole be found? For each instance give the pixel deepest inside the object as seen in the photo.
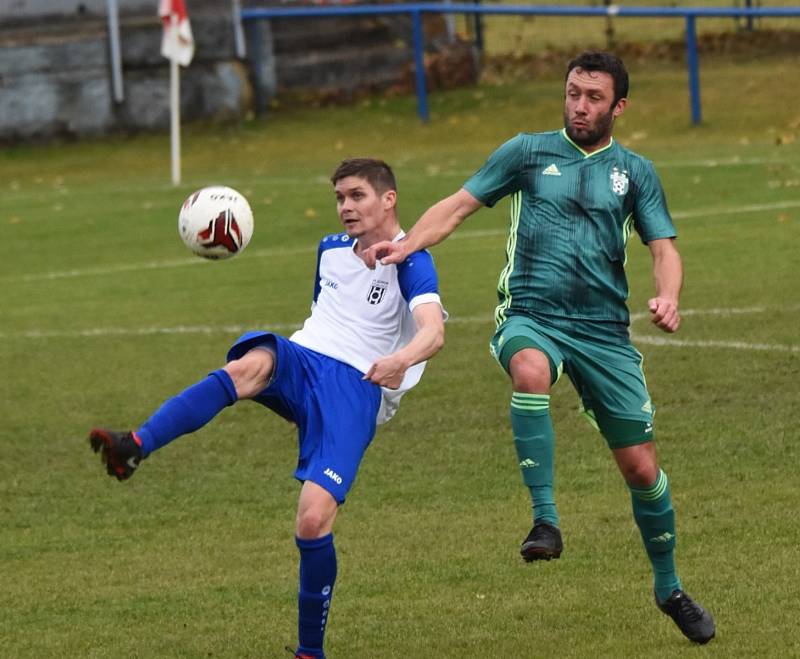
(238, 30)
(175, 110)
(116, 58)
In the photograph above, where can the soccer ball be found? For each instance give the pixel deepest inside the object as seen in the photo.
(216, 222)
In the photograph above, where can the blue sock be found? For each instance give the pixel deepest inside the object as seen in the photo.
(188, 411)
(317, 576)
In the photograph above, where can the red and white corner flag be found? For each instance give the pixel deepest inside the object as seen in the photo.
(177, 43)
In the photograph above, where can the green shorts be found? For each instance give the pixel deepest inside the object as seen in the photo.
(607, 375)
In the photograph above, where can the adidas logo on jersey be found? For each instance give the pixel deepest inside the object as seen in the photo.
(552, 170)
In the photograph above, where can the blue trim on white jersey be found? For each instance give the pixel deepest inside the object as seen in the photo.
(417, 275)
(331, 241)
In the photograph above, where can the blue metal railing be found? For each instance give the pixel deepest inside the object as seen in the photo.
(690, 15)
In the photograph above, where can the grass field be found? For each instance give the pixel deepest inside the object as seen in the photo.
(104, 314)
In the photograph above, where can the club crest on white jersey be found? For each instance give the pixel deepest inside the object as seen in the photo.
(376, 291)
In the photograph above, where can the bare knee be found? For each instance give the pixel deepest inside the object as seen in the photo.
(316, 512)
(640, 475)
(251, 373)
(312, 523)
(638, 464)
(530, 371)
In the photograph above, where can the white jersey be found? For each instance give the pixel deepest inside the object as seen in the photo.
(360, 315)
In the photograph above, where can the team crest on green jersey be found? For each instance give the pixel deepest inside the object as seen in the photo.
(619, 181)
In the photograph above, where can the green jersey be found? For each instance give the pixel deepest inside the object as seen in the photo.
(571, 216)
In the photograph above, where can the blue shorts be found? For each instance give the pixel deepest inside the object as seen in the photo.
(333, 406)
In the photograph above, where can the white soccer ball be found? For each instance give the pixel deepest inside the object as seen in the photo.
(216, 222)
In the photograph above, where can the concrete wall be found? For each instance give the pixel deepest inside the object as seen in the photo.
(55, 65)
(55, 78)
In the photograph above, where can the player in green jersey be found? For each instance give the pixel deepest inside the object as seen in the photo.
(576, 197)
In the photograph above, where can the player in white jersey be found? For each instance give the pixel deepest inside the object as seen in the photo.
(364, 345)
(359, 315)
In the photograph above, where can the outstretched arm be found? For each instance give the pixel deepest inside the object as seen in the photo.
(389, 371)
(436, 223)
(668, 275)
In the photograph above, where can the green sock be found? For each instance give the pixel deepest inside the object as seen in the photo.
(652, 510)
(534, 441)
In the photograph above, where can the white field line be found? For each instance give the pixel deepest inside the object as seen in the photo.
(151, 265)
(751, 208)
(707, 343)
(259, 176)
(732, 345)
(487, 320)
(196, 261)
(711, 163)
(104, 332)
(706, 163)
(465, 234)
(721, 311)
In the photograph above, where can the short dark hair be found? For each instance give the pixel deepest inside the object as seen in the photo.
(595, 60)
(376, 172)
